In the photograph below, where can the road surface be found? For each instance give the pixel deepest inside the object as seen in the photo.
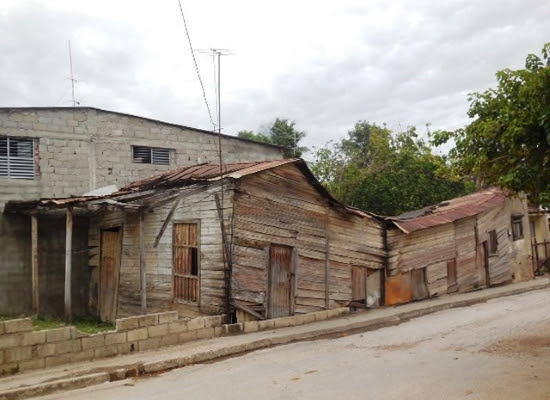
(495, 350)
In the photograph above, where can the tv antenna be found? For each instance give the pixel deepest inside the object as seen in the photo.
(73, 80)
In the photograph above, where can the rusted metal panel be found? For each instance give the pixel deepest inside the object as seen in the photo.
(186, 262)
(449, 211)
(280, 265)
(398, 289)
(109, 274)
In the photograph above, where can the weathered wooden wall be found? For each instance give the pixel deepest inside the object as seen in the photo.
(198, 207)
(279, 206)
(467, 269)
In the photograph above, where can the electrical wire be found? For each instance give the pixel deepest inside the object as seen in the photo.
(196, 65)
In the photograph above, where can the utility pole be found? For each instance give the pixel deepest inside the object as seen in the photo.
(72, 76)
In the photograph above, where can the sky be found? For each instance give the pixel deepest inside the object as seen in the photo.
(323, 64)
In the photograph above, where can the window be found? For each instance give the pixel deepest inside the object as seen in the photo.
(186, 262)
(151, 155)
(16, 157)
(493, 242)
(517, 227)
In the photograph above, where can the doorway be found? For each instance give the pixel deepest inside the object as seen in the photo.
(109, 270)
(280, 281)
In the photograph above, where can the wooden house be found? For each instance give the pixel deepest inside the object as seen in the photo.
(463, 244)
(257, 240)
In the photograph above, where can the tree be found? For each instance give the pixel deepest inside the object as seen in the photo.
(383, 172)
(281, 133)
(508, 142)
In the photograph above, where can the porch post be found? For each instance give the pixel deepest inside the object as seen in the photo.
(68, 264)
(34, 264)
(142, 266)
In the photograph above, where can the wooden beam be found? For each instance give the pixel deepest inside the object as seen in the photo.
(142, 266)
(227, 264)
(34, 263)
(68, 262)
(247, 309)
(173, 209)
(327, 260)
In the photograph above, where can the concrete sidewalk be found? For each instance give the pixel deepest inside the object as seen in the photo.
(76, 375)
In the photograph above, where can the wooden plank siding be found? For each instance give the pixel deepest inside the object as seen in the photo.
(281, 207)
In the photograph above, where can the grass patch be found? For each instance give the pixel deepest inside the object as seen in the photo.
(91, 324)
(42, 323)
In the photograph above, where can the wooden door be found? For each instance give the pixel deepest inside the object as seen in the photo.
(418, 284)
(485, 256)
(186, 262)
(109, 268)
(358, 284)
(280, 281)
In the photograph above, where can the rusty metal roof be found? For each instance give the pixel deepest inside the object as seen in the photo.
(203, 173)
(450, 211)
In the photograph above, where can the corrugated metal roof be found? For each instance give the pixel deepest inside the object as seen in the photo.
(450, 211)
(203, 173)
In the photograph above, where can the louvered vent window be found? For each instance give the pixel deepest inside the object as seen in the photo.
(16, 157)
(151, 155)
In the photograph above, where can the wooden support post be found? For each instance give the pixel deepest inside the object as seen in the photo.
(327, 261)
(227, 261)
(68, 262)
(34, 263)
(142, 266)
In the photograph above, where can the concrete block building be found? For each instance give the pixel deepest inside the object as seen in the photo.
(61, 152)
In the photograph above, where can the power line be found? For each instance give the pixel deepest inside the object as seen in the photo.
(196, 66)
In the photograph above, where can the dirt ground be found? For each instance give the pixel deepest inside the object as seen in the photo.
(495, 350)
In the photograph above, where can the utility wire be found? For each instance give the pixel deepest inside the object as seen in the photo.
(196, 66)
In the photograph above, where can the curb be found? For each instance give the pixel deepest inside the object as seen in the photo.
(133, 370)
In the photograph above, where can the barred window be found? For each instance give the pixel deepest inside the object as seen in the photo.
(16, 157)
(151, 155)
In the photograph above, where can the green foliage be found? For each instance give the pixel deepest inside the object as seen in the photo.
(281, 133)
(386, 173)
(508, 142)
(84, 323)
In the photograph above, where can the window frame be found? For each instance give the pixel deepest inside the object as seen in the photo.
(155, 156)
(492, 242)
(25, 165)
(516, 223)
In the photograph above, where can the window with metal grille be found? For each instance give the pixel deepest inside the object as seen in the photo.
(16, 157)
(493, 242)
(186, 262)
(517, 227)
(151, 155)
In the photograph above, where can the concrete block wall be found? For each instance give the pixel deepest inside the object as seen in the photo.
(22, 348)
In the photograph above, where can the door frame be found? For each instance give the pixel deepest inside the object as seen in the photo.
(292, 273)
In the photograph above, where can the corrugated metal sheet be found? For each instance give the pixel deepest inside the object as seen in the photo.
(450, 211)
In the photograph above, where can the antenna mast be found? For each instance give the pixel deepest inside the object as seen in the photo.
(72, 76)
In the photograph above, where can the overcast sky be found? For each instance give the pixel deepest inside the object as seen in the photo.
(323, 64)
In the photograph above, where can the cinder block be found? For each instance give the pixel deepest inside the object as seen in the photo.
(149, 344)
(137, 334)
(266, 324)
(126, 324)
(18, 354)
(170, 339)
(106, 351)
(232, 329)
(178, 326)
(188, 336)
(212, 321)
(44, 350)
(2, 329)
(31, 338)
(158, 330)
(59, 334)
(281, 322)
(250, 326)
(125, 348)
(303, 319)
(92, 342)
(68, 346)
(1, 357)
(168, 316)
(218, 331)
(195, 323)
(32, 364)
(18, 325)
(115, 338)
(7, 341)
(320, 315)
(205, 333)
(9, 369)
(148, 320)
